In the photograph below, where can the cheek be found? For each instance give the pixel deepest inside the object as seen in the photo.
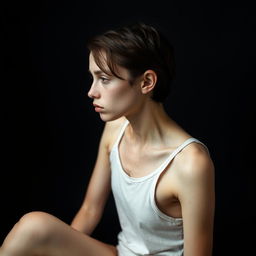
(119, 103)
(124, 97)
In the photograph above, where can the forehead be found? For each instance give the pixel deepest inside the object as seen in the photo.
(93, 67)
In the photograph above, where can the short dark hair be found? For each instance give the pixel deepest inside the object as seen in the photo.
(137, 47)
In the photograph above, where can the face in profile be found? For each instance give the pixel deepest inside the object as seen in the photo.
(112, 96)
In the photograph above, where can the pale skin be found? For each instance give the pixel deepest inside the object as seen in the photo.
(185, 189)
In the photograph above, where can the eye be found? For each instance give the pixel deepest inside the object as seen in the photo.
(104, 80)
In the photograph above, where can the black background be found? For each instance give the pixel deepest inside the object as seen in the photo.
(50, 131)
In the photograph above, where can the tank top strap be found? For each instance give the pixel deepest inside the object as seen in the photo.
(177, 150)
(161, 169)
(121, 133)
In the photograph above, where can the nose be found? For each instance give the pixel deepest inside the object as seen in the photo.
(93, 93)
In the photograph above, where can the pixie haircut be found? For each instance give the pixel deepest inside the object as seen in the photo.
(137, 48)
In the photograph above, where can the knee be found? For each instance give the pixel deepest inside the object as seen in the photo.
(31, 231)
(35, 225)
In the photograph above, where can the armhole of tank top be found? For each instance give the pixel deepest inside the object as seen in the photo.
(153, 188)
(120, 134)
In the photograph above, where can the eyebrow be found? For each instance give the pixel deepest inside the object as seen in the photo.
(97, 72)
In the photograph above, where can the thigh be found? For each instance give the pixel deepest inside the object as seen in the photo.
(63, 240)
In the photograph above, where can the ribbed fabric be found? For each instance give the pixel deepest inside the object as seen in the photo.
(145, 229)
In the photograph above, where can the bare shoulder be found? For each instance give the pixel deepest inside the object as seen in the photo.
(194, 164)
(112, 130)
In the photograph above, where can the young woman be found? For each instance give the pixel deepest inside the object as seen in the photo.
(161, 177)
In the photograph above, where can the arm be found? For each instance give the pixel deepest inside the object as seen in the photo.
(98, 190)
(197, 199)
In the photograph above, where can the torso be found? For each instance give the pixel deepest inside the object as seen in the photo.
(139, 163)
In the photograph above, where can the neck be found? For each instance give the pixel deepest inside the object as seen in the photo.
(148, 124)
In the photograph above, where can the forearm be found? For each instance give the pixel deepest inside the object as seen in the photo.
(86, 221)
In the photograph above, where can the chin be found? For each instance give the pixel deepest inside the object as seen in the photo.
(109, 117)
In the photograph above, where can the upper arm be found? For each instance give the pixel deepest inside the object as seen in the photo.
(100, 182)
(197, 198)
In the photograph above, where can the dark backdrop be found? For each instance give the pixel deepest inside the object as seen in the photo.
(51, 132)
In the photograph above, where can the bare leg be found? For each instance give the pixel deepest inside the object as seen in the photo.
(41, 234)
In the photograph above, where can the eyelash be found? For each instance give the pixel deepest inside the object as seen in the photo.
(104, 80)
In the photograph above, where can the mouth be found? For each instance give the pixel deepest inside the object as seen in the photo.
(97, 108)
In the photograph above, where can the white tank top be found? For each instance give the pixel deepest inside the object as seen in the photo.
(145, 229)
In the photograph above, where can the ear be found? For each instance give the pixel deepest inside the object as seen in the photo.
(149, 81)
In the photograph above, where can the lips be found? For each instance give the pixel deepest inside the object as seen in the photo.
(97, 106)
